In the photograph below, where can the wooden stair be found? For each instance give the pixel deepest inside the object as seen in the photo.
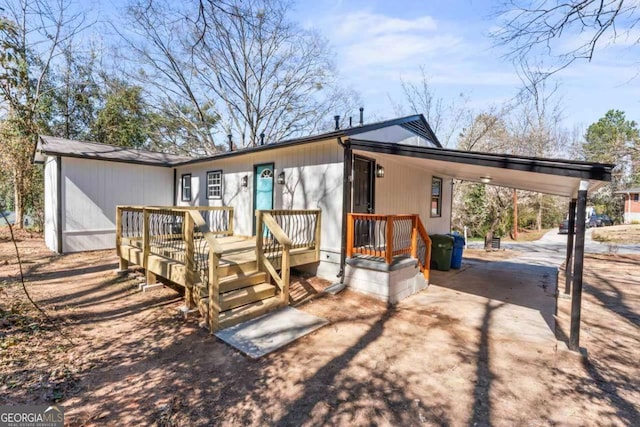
(245, 292)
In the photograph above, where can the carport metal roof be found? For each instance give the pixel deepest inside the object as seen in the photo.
(560, 177)
(551, 176)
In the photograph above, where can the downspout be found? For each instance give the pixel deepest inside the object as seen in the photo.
(346, 202)
(175, 187)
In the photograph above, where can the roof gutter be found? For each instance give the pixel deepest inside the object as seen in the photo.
(568, 168)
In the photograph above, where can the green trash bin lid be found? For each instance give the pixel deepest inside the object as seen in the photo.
(441, 241)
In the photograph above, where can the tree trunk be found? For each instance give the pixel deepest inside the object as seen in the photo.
(515, 214)
(539, 215)
(18, 201)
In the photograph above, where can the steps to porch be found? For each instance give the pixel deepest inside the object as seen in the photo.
(247, 276)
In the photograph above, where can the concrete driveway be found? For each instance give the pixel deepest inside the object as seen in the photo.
(551, 249)
(513, 300)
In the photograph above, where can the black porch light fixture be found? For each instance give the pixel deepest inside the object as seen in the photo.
(245, 181)
(281, 178)
(379, 171)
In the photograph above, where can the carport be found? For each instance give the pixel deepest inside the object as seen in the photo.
(567, 178)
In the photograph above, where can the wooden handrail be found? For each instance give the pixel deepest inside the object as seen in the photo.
(213, 261)
(267, 218)
(276, 230)
(282, 280)
(389, 250)
(427, 241)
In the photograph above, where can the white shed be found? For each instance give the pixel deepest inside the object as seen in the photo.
(84, 182)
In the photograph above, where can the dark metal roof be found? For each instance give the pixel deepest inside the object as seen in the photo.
(416, 124)
(629, 190)
(52, 146)
(568, 168)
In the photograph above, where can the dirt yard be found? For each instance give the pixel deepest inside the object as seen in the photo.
(618, 234)
(132, 361)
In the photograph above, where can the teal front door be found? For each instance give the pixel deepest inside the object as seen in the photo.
(263, 188)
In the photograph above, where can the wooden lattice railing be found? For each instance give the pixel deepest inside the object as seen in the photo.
(186, 235)
(388, 236)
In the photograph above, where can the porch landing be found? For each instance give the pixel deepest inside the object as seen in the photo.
(267, 333)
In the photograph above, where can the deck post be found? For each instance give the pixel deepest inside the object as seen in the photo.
(259, 240)
(214, 292)
(317, 234)
(230, 227)
(578, 267)
(285, 273)
(570, 239)
(123, 264)
(189, 260)
(388, 254)
(145, 238)
(350, 235)
(414, 236)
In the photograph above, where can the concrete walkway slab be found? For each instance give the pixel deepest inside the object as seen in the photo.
(269, 332)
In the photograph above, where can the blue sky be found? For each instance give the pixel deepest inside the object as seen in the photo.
(378, 43)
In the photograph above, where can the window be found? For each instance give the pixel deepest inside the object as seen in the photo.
(214, 185)
(186, 187)
(635, 197)
(436, 197)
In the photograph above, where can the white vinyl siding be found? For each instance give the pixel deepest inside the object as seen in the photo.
(406, 189)
(91, 190)
(51, 201)
(312, 180)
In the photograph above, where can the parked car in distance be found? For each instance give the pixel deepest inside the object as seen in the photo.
(601, 220)
(564, 225)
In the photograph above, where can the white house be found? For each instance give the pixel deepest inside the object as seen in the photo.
(392, 167)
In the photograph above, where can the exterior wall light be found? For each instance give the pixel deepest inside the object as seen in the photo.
(245, 181)
(281, 178)
(379, 171)
(485, 179)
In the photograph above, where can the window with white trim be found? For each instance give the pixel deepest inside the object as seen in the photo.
(214, 185)
(186, 187)
(436, 197)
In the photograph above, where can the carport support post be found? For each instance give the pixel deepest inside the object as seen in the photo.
(578, 267)
(570, 234)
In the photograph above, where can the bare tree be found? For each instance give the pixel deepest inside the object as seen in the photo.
(244, 60)
(445, 118)
(529, 26)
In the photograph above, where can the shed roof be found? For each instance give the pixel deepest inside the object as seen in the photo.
(629, 190)
(52, 146)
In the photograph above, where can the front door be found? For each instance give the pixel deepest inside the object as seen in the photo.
(262, 188)
(363, 200)
(363, 185)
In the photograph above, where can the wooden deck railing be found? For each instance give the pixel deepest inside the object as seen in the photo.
(388, 236)
(278, 232)
(183, 235)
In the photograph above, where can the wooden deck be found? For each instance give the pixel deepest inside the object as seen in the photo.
(228, 278)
